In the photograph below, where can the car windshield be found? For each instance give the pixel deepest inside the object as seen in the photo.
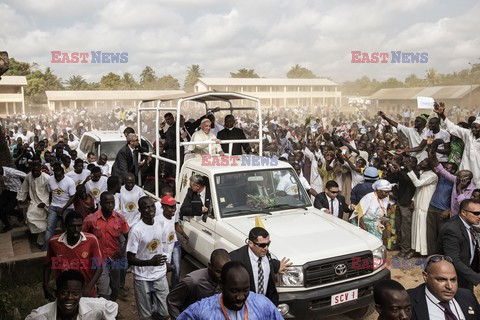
(259, 191)
(111, 148)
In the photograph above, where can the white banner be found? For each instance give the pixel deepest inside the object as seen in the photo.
(425, 102)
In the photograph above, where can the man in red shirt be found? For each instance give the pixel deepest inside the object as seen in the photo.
(73, 249)
(108, 225)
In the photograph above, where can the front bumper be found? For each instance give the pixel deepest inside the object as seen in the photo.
(315, 304)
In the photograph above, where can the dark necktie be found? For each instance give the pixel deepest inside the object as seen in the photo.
(475, 265)
(260, 276)
(331, 207)
(449, 315)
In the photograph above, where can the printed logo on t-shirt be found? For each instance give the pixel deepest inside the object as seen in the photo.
(95, 192)
(58, 191)
(84, 254)
(130, 206)
(171, 237)
(153, 245)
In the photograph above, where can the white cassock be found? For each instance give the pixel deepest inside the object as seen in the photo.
(426, 185)
(37, 189)
(200, 149)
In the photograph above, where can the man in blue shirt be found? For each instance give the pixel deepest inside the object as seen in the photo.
(235, 302)
(437, 211)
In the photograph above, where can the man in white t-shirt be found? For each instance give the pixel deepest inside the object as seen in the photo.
(129, 196)
(79, 174)
(102, 163)
(443, 137)
(62, 189)
(96, 184)
(145, 255)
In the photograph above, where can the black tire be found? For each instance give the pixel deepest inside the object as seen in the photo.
(361, 313)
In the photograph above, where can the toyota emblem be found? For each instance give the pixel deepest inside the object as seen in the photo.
(340, 269)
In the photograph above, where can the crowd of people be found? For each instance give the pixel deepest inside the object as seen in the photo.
(413, 184)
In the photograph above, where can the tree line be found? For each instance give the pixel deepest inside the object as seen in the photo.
(40, 81)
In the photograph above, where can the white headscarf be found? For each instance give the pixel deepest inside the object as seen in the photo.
(382, 184)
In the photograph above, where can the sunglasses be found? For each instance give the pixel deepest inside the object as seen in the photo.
(334, 192)
(476, 213)
(262, 245)
(437, 258)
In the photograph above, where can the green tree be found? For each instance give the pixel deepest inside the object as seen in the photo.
(147, 78)
(76, 83)
(193, 73)
(128, 82)
(414, 81)
(18, 68)
(167, 83)
(244, 73)
(39, 82)
(299, 72)
(111, 81)
(392, 83)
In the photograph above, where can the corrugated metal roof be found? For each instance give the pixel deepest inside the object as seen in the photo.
(71, 95)
(266, 82)
(440, 92)
(13, 81)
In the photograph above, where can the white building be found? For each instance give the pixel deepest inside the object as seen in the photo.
(12, 98)
(104, 100)
(278, 91)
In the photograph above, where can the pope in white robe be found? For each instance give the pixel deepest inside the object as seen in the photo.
(204, 134)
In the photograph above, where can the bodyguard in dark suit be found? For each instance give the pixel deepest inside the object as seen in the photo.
(458, 240)
(126, 160)
(260, 265)
(440, 297)
(331, 200)
(232, 133)
(194, 203)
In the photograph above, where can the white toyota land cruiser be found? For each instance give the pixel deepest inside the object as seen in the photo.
(335, 264)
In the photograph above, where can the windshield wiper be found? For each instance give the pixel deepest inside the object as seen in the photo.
(239, 211)
(279, 206)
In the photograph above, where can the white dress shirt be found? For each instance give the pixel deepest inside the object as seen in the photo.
(265, 267)
(88, 309)
(435, 310)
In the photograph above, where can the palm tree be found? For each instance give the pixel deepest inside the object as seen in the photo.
(298, 72)
(431, 76)
(244, 73)
(76, 83)
(128, 81)
(147, 77)
(193, 73)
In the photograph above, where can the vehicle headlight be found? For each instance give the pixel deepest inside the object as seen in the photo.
(379, 257)
(292, 277)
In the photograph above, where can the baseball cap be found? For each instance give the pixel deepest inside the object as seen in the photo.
(169, 200)
(370, 173)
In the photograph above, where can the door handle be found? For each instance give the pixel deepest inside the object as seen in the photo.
(207, 232)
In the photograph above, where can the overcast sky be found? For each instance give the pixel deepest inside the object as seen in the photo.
(222, 36)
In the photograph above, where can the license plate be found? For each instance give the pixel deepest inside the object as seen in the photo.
(344, 297)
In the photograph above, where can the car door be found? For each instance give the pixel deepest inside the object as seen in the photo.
(201, 234)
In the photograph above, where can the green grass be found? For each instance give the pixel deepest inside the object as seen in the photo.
(18, 300)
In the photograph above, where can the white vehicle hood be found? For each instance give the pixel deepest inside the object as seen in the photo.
(305, 236)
